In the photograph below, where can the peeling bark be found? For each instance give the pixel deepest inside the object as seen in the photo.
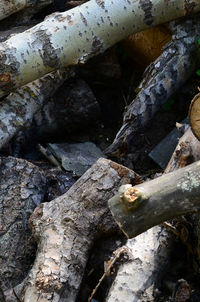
(19, 108)
(65, 229)
(161, 79)
(22, 188)
(138, 208)
(187, 151)
(75, 36)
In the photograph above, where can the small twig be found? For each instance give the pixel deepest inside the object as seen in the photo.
(49, 156)
(117, 254)
(171, 228)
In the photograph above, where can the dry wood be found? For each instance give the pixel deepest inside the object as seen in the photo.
(22, 189)
(187, 151)
(10, 7)
(137, 278)
(65, 229)
(18, 109)
(75, 36)
(138, 208)
(161, 79)
(194, 115)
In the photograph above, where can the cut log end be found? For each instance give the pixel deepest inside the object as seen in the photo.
(194, 115)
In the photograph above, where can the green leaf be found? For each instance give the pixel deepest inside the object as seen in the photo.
(168, 104)
(198, 72)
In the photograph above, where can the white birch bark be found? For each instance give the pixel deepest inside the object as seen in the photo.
(9, 7)
(135, 280)
(75, 36)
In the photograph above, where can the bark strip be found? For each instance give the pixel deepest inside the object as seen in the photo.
(171, 195)
(75, 36)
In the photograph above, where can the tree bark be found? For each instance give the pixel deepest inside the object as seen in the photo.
(22, 188)
(187, 151)
(10, 7)
(65, 229)
(75, 36)
(138, 208)
(19, 108)
(161, 79)
(137, 278)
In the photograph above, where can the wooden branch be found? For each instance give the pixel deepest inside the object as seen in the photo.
(161, 79)
(75, 36)
(19, 108)
(136, 278)
(65, 229)
(138, 208)
(187, 151)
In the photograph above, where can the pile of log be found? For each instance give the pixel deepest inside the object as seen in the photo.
(45, 245)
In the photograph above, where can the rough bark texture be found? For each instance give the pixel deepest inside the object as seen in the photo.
(72, 108)
(161, 79)
(137, 278)
(19, 108)
(9, 7)
(22, 188)
(65, 229)
(187, 151)
(138, 208)
(75, 36)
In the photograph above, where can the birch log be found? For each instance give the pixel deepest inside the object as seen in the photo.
(18, 109)
(10, 7)
(138, 208)
(137, 278)
(75, 36)
(65, 229)
(161, 79)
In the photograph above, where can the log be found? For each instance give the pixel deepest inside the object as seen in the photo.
(194, 115)
(65, 229)
(161, 79)
(10, 7)
(22, 189)
(43, 49)
(187, 151)
(139, 208)
(18, 109)
(137, 278)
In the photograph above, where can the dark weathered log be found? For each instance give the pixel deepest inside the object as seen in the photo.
(138, 208)
(22, 188)
(161, 79)
(19, 108)
(65, 229)
(75, 36)
(8, 8)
